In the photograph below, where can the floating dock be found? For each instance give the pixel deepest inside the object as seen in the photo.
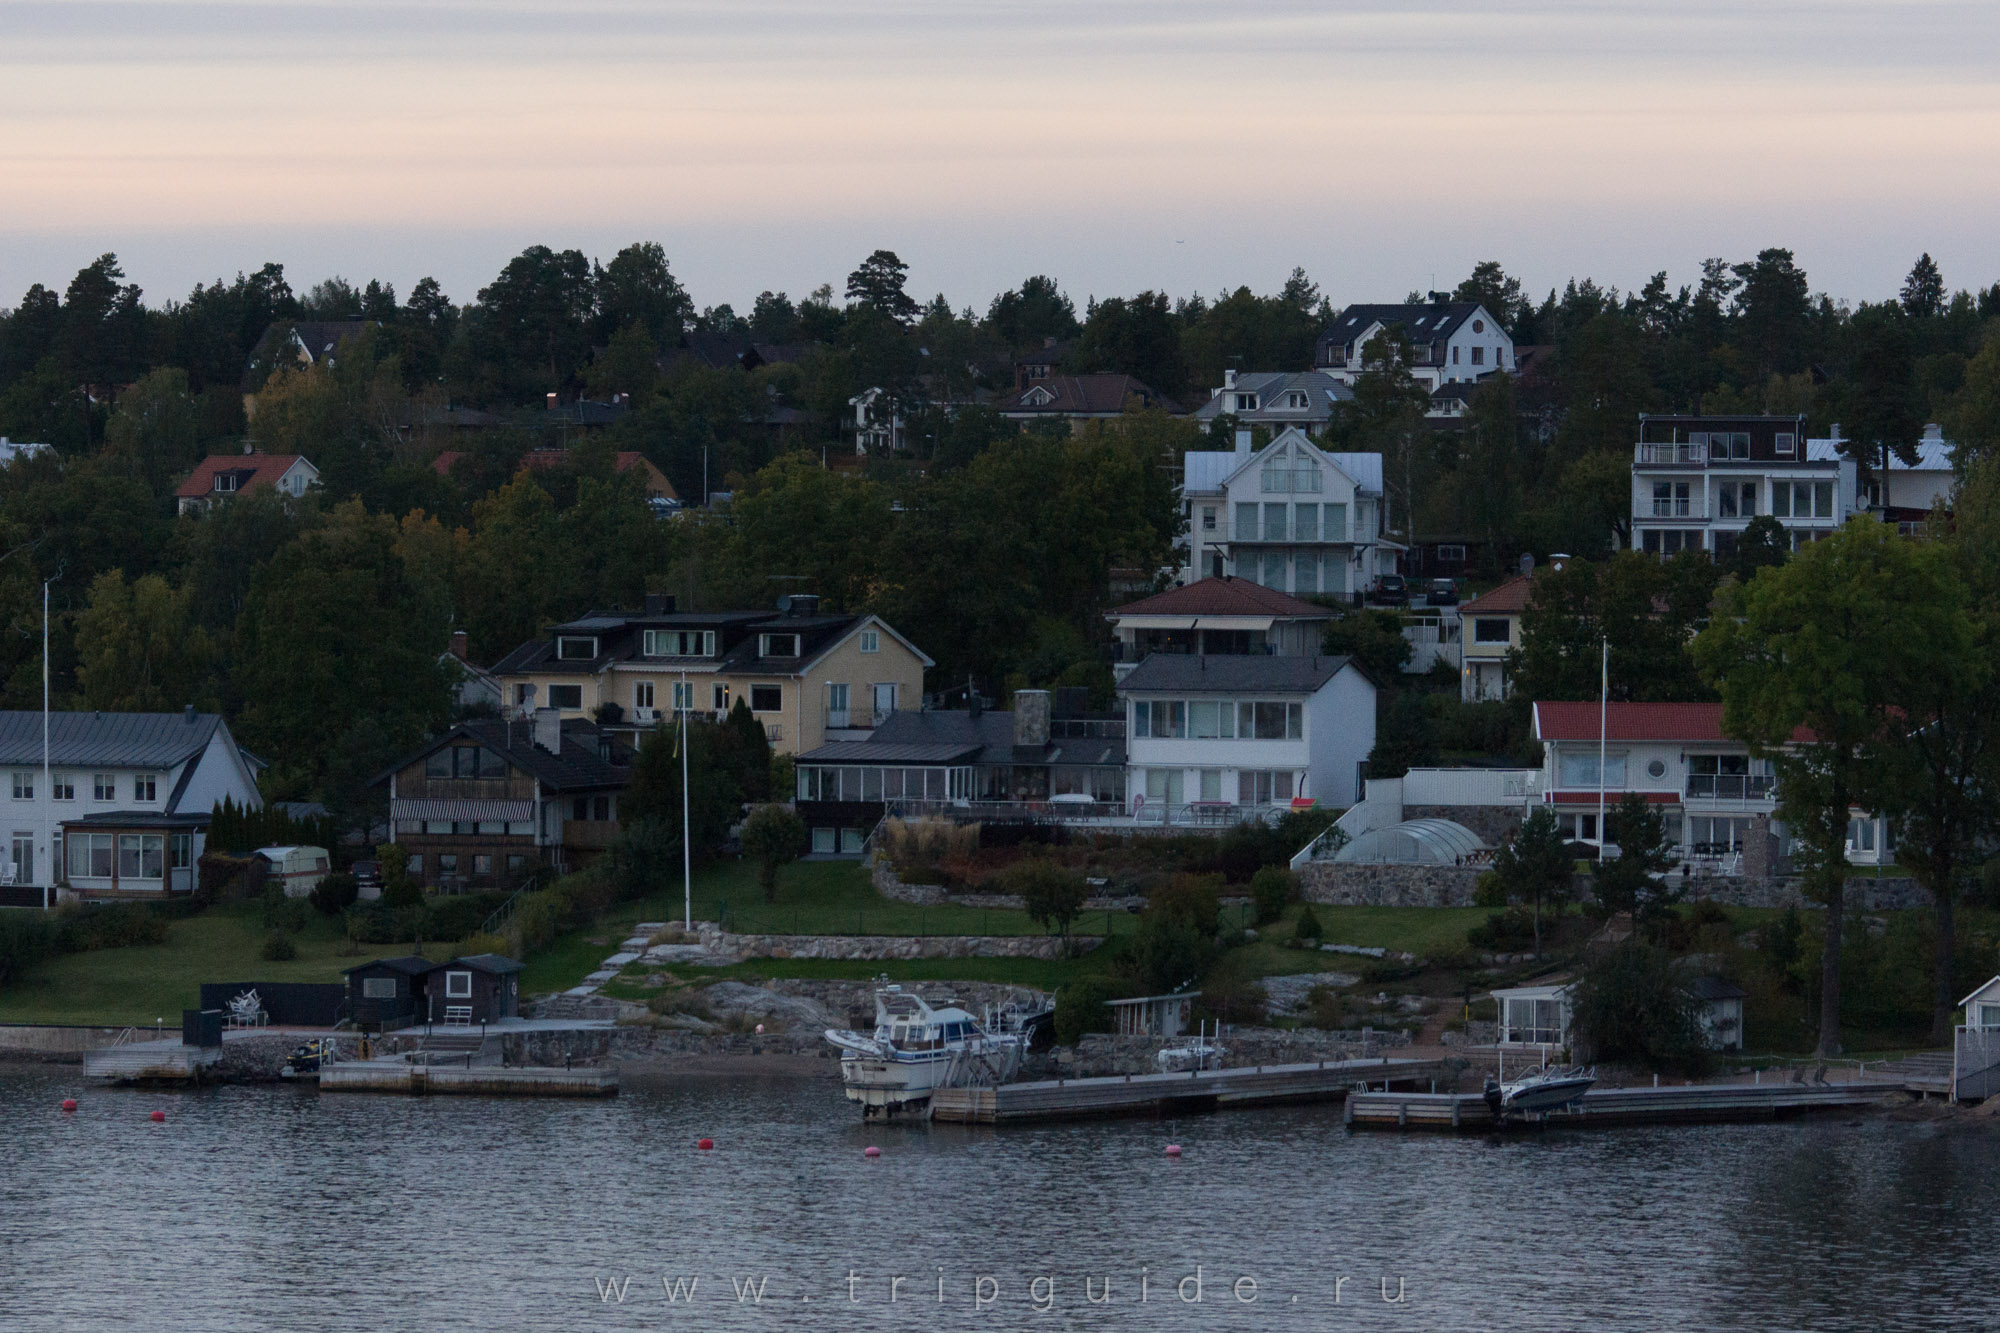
(1175, 1094)
(1468, 1113)
(477, 1080)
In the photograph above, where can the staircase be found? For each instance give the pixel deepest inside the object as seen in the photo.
(455, 1045)
(1929, 1071)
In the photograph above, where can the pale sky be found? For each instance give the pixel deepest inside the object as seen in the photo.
(1188, 145)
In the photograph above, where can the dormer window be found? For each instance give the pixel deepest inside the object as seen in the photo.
(678, 643)
(225, 481)
(777, 645)
(1246, 402)
(576, 647)
(1039, 398)
(1297, 400)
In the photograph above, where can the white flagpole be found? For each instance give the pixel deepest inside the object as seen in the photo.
(48, 790)
(1603, 709)
(687, 849)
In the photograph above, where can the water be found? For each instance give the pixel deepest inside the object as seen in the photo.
(275, 1208)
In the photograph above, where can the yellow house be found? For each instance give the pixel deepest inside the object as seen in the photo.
(809, 678)
(1492, 625)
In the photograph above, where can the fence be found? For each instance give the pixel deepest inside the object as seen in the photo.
(312, 1004)
(1975, 1072)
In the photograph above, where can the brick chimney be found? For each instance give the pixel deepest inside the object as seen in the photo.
(461, 645)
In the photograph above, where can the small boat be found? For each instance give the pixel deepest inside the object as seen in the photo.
(1545, 1090)
(1197, 1052)
(305, 1060)
(916, 1049)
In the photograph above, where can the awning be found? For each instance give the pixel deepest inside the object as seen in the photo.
(464, 811)
(1234, 622)
(1156, 622)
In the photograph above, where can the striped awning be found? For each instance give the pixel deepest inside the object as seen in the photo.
(464, 811)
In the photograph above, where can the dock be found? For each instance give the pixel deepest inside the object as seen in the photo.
(476, 1080)
(1175, 1094)
(1468, 1113)
(160, 1061)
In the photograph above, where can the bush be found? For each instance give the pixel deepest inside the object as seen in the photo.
(1308, 927)
(1272, 889)
(1051, 896)
(278, 947)
(82, 927)
(282, 913)
(1196, 899)
(456, 917)
(1489, 891)
(774, 837)
(334, 893)
(1628, 1005)
(479, 942)
(541, 917)
(399, 887)
(26, 941)
(1325, 1008)
(1513, 928)
(1228, 995)
(1080, 1008)
(1169, 951)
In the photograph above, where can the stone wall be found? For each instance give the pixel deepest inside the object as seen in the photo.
(1864, 893)
(896, 946)
(1343, 884)
(890, 885)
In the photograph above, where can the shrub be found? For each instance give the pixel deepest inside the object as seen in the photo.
(1080, 1008)
(282, 913)
(920, 843)
(1628, 1005)
(480, 942)
(1272, 889)
(1308, 927)
(399, 887)
(1197, 899)
(1229, 995)
(26, 941)
(80, 927)
(335, 893)
(541, 917)
(278, 947)
(1051, 896)
(1325, 1008)
(456, 917)
(1169, 951)
(1511, 928)
(1489, 891)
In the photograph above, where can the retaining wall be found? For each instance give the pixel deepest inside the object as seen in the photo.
(1342, 884)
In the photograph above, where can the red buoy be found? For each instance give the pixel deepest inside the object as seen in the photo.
(69, 1103)
(704, 1144)
(159, 1117)
(871, 1151)
(1173, 1150)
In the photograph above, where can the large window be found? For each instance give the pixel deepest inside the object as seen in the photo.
(1536, 1022)
(1211, 719)
(1291, 479)
(1270, 721)
(678, 643)
(1217, 719)
(1492, 629)
(683, 696)
(1305, 523)
(1274, 522)
(1160, 719)
(1335, 527)
(141, 856)
(464, 761)
(778, 645)
(90, 855)
(575, 647)
(767, 699)
(565, 696)
(1246, 523)
(1802, 499)
(1580, 770)
(1264, 787)
(1166, 785)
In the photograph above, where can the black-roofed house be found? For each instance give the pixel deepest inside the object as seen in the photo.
(1449, 340)
(808, 676)
(1217, 737)
(494, 799)
(1276, 399)
(387, 993)
(478, 988)
(122, 805)
(1047, 757)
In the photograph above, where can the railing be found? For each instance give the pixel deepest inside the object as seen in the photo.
(838, 718)
(1672, 509)
(1142, 813)
(1662, 455)
(1730, 786)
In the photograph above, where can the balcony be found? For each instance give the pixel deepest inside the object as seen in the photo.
(1730, 786)
(1670, 455)
(1674, 509)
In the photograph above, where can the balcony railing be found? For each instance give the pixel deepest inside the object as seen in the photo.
(1730, 786)
(1671, 455)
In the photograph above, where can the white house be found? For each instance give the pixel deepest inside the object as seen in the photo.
(1449, 340)
(1710, 792)
(13, 449)
(1697, 482)
(1905, 493)
(1290, 516)
(878, 426)
(1276, 399)
(1982, 1007)
(221, 477)
(123, 807)
(1220, 731)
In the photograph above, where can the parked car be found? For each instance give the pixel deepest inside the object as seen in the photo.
(1443, 592)
(1390, 590)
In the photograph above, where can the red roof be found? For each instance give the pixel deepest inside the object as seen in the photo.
(255, 469)
(1635, 722)
(1509, 599)
(1224, 596)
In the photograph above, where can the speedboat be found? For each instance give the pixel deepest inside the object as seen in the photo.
(916, 1049)
(1545, 1090)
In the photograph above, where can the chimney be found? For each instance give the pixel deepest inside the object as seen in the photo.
(552, 402)
(548, 729)
(1242, 441)
(1229, 379)
(1031, 718)
(659, 603)
(190, 714)
(461, 645)
(799, 604)
(1557, 559)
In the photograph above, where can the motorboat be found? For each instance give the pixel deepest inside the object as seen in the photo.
(305, 1060)
(1545, 1090)
(1197, 1052)
(916, 1049)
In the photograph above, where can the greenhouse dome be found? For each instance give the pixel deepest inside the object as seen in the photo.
(1415, 842)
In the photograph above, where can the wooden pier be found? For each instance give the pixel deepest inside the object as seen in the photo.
(1468, 1112)
(476, 1080)
(1175, 1094)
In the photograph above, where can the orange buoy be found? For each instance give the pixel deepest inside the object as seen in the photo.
(871, 1151)
(159, 1117)
(69, 1103)
(704, 1144)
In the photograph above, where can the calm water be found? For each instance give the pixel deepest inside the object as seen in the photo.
(261, 1209)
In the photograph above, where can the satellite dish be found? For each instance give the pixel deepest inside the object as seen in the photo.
(1527, 563)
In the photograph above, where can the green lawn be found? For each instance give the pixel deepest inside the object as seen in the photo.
(141, 983)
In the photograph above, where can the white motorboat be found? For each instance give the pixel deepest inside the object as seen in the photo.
(1545, 1090)
(1197, 1052)
(916, 1049)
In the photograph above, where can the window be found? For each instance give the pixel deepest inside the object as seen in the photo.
(458, 985)
(719, 692)
(1454, 356)
(1305, 523)
(1297, 400)
(464, 761)
(90, 855)
(1670, 499)
(677, 643)
(225, 481)
(1450, 554)
(777, 645)
(1210, 719)
(103, 786)
(139, 855)
(767, 698)
(482, 864)
(836, 704)
(180, 850)
(683, 696)
(1211, 784)
(642, 694)
(1263, 787)
(1269, 721)
(24, 786)
(1578, 828)
(1493, 629)
(565, 696)
(1281, 478)
(1208, 518)
(145, 787)
(1160, 719)
(1822, 499)
(1246, 522)
(823, 841)
(63, 786)
(378, 988)
(1306, 574)
(1166, 784)
(1479, 356)
(575, 647)
(1580, 770)
(1274, 522)
(24, 857)
(448, 863)
(871, 641)
(1246, 402)
(1335, 527)
(516, 862)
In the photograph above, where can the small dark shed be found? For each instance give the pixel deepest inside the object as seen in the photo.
(388, 993)
(481, 988)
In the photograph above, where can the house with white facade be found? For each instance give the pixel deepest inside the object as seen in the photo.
(1714, 797)
(1449, 340)
(1290, 516)
(1224, 615)
(878, 424)
(1276, 399)
(1697, 482)
(1216, 732)
(222, 477)
(120, 808)
(1906, 493)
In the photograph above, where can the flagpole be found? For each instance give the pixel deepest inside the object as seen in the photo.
(687, 849)
(48, 789)
(1603, 709)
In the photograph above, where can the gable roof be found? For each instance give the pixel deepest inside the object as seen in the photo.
(1226, 595)
(1509, 599)
(1564, 721)
(1210, 673)
(580, 766)
(410, 965)
(619, 642)
(1425, 323)
(253, 470)
(1205, 471)
(111, 740)
(1321, 389)
(1095, 394)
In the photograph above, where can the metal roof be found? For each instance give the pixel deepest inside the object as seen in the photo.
(1420, 842)
(108, 740)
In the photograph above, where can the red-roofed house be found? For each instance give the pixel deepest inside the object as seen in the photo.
(657, 485)
(1225, 616)
(1079, 398)
(1492, 623)
(1711, 791)
(225, 476)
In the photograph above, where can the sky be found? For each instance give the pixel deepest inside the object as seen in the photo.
(1184, 145)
